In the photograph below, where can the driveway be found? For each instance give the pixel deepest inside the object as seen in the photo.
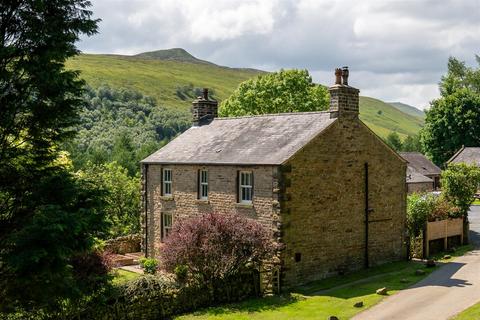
(444, 293)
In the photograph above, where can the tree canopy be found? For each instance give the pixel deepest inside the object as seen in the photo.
(453, 120)
(47, 216)
(277, 92)
(124, 126)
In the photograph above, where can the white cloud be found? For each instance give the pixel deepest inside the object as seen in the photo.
(397, 50)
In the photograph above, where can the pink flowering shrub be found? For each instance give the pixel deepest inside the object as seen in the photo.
(214, 247)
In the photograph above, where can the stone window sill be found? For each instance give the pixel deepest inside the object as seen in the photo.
(244, 205)
(167, 198)
(202, 201)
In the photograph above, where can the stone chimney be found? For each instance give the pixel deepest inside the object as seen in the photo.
(343, 98)
(204, 109)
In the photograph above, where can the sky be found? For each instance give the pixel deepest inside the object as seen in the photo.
(395, 50)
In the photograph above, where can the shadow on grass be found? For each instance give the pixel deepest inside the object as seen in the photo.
(254, 304)
(395, 276)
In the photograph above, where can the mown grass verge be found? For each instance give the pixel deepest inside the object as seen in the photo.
(332, 296)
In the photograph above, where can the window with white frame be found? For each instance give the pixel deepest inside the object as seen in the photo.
(203, 188)
(167, 221)
(167, 182)
(246, 186)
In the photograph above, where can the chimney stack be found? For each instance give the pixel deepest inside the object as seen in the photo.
(343, 98)
(204, 109)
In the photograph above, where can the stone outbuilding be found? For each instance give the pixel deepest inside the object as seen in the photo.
(323, 184)
(468, 155)
(422, 174)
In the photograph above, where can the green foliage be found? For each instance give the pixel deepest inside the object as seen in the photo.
(181, 272)
(393, 140)
(122, 197)
(459, 185)
(411, 144)
(418, 208)
(124, 126)
(453, 120)
(150, 265)
(277, 92)
(460, 76)
(428, 207)
(47, 216)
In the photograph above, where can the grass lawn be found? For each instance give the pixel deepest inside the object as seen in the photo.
(476, 202)
(121, 276)
(471, 313)
(332, 296)
(319, 300)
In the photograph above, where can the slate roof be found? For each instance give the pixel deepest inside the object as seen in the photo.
(420, 163)
(413, 176)
(265, 139)
(468, 155)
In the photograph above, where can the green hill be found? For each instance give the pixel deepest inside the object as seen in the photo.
(174, 78)
(408, 109)
(175, 54)
(383, 118)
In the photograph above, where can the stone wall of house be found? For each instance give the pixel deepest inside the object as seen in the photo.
(222, 197)
(420, 187)
(323, 204)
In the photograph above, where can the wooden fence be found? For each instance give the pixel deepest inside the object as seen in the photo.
(442, 230)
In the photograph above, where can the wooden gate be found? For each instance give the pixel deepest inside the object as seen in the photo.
(442, 230)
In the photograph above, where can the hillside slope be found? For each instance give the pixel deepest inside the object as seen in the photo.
(408, 109)
(174, 77)
(383, 118)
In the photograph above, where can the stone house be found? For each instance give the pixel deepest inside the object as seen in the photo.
(468, 155)
(327, 188)
(422, 174)
(417, 182)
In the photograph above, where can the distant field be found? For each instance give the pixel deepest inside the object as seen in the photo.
(161, 78)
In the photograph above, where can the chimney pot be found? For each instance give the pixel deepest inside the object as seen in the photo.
(205, 93)
(345, 76)
(338, 76)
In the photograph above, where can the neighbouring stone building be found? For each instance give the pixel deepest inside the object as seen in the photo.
(422, 174)
(328, 189)
(468, 155)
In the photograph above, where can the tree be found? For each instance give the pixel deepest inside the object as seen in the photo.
(122, 125)
(393, 140)
(214, 247)
(460, 182)
(277, 92)
(412, 144)
(122, 209)
(453, 120)
(47, 216)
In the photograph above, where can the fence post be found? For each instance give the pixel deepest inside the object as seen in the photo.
(445, 240)
(427, 242)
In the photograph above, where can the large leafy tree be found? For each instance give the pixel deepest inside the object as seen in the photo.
(453, 120)
(122, 209)
(46, 215)
(277, 92)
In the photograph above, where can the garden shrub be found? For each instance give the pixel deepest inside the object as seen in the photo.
(92, 269)
(459, 185)
(149, 265)
(158, 297)
(216, 247)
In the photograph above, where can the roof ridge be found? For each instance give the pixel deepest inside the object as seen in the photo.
(273, 114)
